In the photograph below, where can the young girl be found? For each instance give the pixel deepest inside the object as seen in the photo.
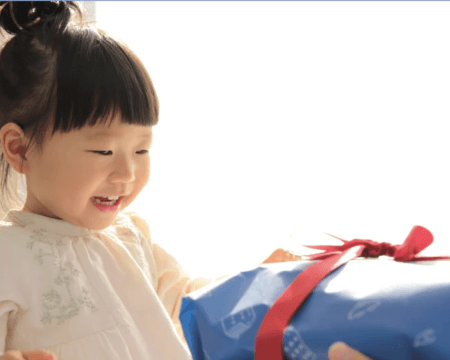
(79, 278)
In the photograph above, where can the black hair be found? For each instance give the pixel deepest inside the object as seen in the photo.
(59, 73)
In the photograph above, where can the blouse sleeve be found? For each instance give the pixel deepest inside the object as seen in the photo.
(5, 308)
(169, 279)
(15, 281)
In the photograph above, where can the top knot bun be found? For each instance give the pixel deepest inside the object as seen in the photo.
(30, 16)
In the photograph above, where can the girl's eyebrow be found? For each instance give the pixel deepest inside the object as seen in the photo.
(103, 134)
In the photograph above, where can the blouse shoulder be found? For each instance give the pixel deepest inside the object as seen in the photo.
(139, 223)
(13, 237)
(16, 261)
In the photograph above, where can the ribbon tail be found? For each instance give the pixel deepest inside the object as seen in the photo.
(330, 250)
(344, 241)
(320, 256)
(322, 247)
(430, 258)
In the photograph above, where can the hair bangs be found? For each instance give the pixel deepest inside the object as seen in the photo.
(99, 78)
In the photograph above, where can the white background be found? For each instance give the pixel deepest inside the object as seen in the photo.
(282, 120)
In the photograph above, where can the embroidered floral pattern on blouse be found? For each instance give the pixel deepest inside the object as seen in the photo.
(52, 299)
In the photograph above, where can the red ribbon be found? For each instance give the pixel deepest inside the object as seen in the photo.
(269, 339)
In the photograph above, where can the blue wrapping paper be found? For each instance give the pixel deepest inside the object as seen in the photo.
(386, 309)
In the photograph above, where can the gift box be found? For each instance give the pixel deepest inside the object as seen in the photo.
(389, 309)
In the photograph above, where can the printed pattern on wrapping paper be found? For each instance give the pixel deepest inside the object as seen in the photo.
(295, 347)
(361, 308)
(236, 324)
(424, 338)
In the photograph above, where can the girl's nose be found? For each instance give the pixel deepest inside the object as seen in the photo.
(125, 170)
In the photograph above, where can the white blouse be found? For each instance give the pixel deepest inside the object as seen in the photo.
(89, 294)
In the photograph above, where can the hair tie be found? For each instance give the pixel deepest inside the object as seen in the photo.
(35, 21)
(1, 7)
(13, 17)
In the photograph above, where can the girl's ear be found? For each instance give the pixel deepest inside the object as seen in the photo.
(12, 139)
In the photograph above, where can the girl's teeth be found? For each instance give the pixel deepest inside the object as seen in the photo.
(111, 202)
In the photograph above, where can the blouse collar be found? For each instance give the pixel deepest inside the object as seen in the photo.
(40, 222)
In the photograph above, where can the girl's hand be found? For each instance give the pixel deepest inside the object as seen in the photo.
(27, 355)
(341, 351)
(281, 255)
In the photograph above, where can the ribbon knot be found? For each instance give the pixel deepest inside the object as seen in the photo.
(376, 250)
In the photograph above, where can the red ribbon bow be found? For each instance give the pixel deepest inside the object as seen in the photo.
(269, 339)
(418, 239)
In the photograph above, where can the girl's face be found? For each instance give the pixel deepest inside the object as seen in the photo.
(62, 181)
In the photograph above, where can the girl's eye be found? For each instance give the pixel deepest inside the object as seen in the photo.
(103, 152)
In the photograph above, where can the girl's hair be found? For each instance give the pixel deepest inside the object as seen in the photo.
(58, 73)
